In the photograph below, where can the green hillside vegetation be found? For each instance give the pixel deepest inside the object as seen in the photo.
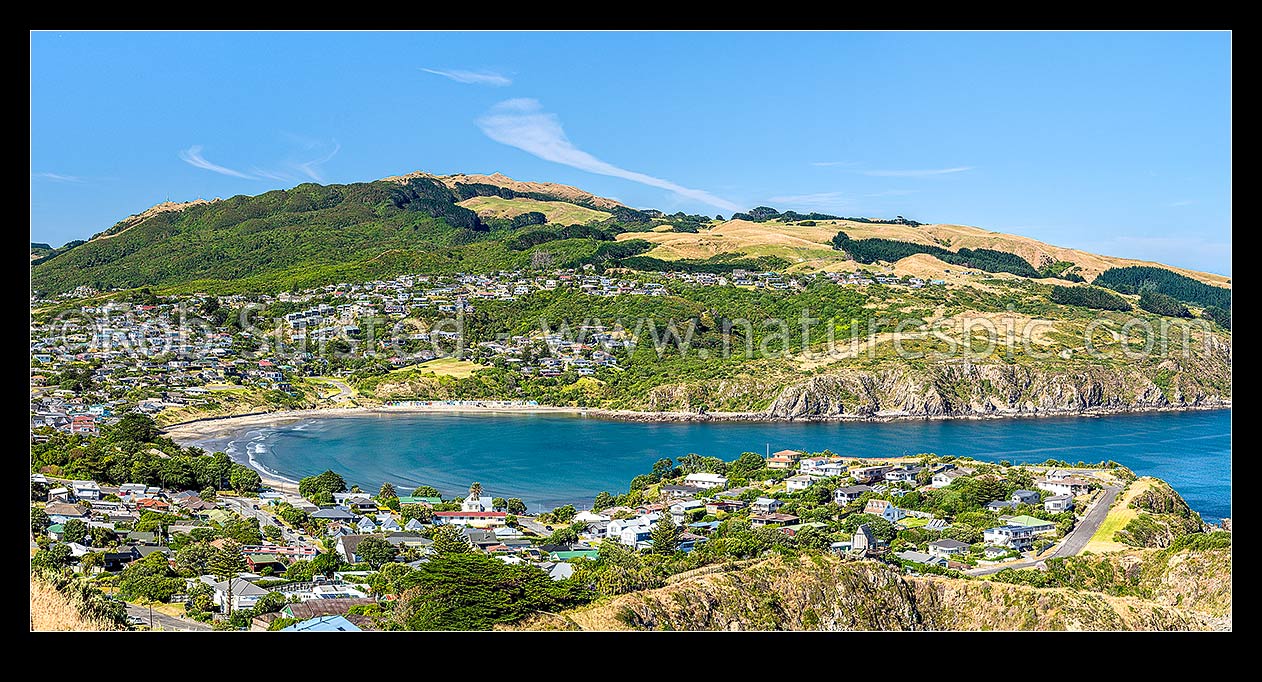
(1161, 304)
(1089, 297)
(313, 235)
(890, 250)
(1137, 279)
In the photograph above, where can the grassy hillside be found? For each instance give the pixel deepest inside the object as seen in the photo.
(810, 247)
(556, 211)
(822, 593)
(306, 236)
(313, 234)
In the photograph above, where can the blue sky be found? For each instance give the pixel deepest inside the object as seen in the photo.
(1117, 143)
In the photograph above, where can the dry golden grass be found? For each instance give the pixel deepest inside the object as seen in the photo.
(810, 247)
(52, 612)
(556, 211)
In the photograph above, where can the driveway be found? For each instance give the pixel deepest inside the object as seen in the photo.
(1074, 542)
(162, 621)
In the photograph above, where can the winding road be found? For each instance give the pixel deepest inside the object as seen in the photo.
(1074, 542)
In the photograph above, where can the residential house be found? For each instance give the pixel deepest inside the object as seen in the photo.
(865, 540)
(884, 509)
(705, 480)
(776, 519)
(766, 505)
(905, 474)
(1000, 505)
(921, 558)
(476, 519)
(784, 459)
(323, 624)
(1037, 526)
(86, 490)
(943, 479)
(848, 494)
(244, 593)
(947, 547)
(336, 513)
(1058, 503)
(60, 512)
(678, 492)
(257, 563)
(346, 547)
(1025, 497)
(1015, 537)
(1064, 486)
(797, 483)
(478, 504)
(723, 506)
(869, 474)
(680, 511)
(60, 494)
(994, 552)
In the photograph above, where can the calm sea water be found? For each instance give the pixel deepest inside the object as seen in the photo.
(550, 459)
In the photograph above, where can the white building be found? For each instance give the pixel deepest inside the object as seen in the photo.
(705, 480)
(800, 482)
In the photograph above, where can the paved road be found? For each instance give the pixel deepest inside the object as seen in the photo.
(245, 507)
(1075, 541)
(162, 621)
(533, 526)
(344, 391)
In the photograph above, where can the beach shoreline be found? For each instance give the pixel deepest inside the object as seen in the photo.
(208, 428)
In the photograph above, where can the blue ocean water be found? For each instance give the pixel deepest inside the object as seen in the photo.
(552, 459)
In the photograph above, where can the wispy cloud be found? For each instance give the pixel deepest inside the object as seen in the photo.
(57, 177)
(830, 200)
(522, 123)
(834, 163)
(193, 157)
(491, 78)
(833, 200)
(922, 173)
(311, 168)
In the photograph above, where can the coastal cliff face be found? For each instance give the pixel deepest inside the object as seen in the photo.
(821, 593)
(996, 389)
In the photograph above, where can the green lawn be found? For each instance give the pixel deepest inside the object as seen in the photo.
(1120, 515)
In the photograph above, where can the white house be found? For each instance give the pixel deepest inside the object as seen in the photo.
(477, 504)
(86, 490)
(947, 547)
(476, 519)
(884, 509)
(244, 593)
(943, 479)
(765, 505)
(1058, 503)
(1016, 537)
(800, 482)
(705, 480)
(631, 531)
(1063, 486)
(679, 511)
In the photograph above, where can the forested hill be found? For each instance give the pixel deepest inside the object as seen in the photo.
(312, 235)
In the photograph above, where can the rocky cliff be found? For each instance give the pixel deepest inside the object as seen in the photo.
(999, 389)
(820, 593)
